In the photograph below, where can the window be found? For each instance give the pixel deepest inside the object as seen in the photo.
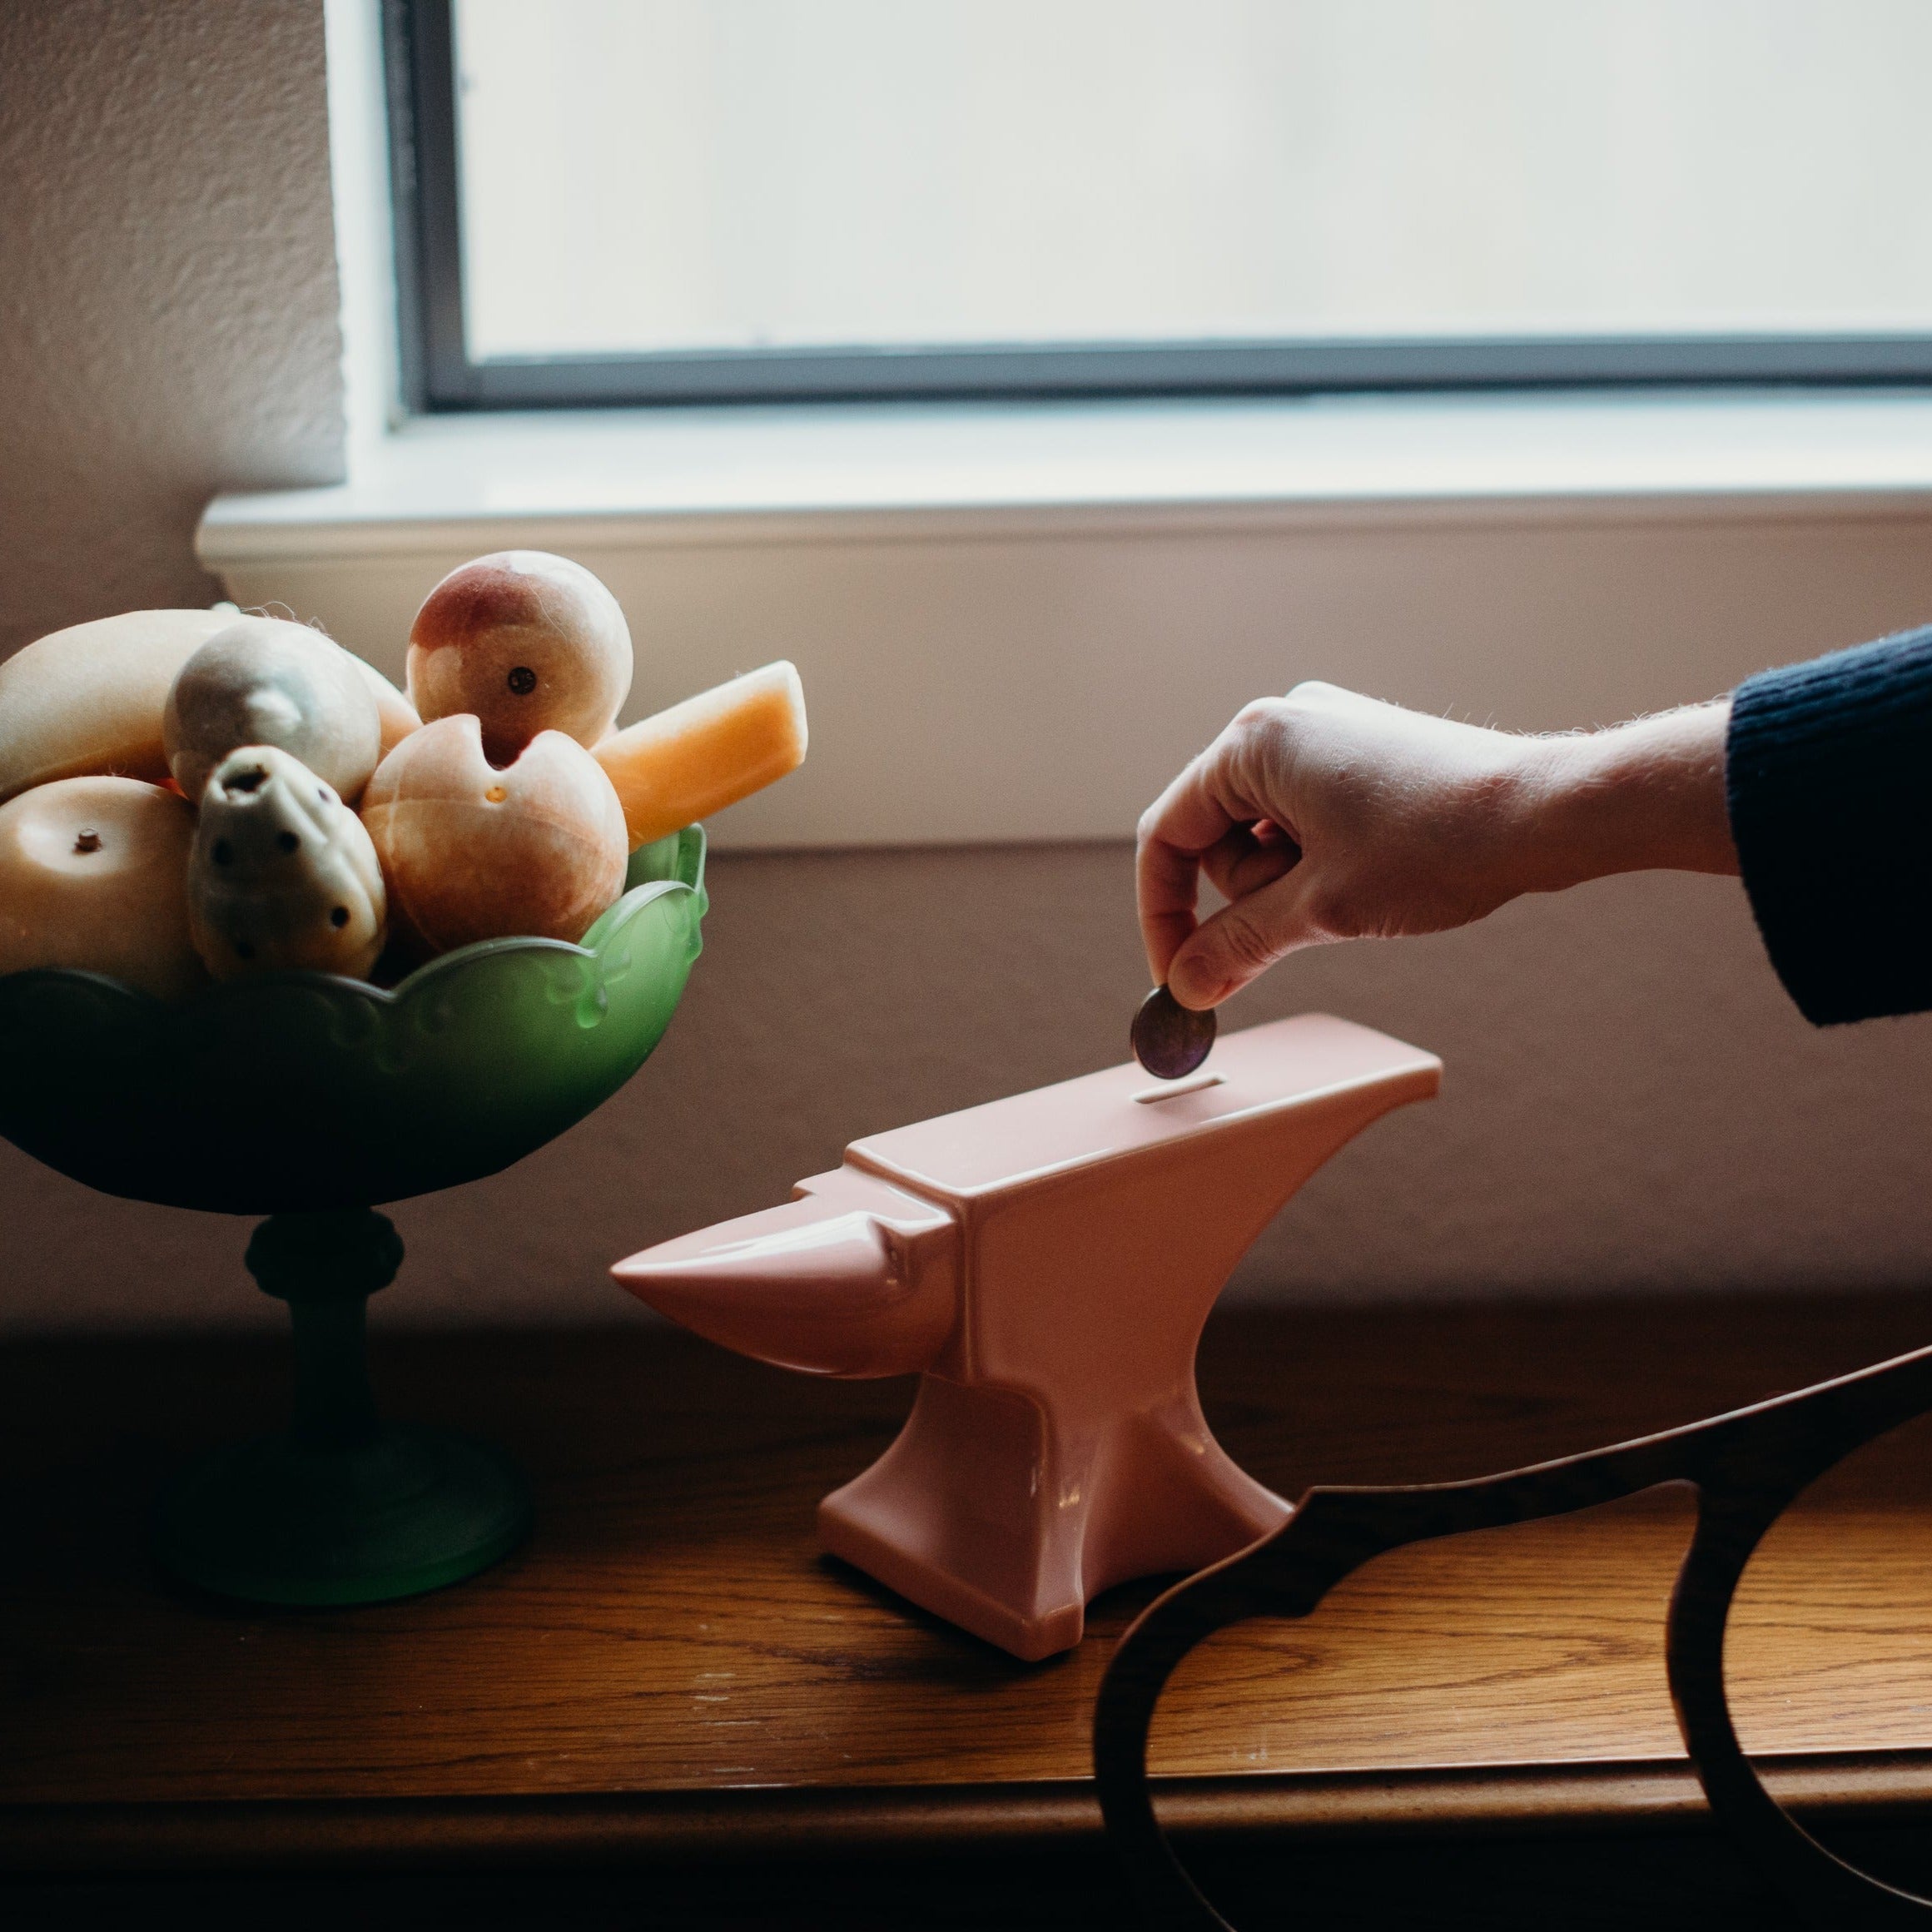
(638, 201)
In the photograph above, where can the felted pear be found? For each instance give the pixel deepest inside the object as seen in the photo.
(93, 875)
(283, 874)
(266, 681)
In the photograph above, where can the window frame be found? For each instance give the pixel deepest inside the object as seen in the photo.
(438, 374)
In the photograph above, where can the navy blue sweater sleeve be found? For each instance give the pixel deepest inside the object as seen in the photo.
(1828, 780)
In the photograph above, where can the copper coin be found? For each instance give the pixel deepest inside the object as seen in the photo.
(1171, 1041)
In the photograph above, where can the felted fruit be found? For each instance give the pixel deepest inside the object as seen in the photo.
(683, 764)
(526, 643)
(90, 698)
(283, 874)
(94, 875)
(264, 681)
(471, 851)
(396, 716)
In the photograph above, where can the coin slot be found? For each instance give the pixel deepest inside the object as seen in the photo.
(1195, 1083)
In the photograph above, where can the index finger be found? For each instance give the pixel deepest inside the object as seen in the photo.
(1191, 817)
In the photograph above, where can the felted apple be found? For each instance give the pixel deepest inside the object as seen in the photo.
(266, 681)
(94, 875)
(282, 874)
(90, 698)
(525, 643)
(471, 851)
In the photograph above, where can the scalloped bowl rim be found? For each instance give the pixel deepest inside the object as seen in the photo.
(256, 1012)
(593, 946)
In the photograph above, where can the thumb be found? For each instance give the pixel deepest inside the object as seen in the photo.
(1242, 941)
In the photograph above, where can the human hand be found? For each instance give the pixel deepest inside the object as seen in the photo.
(1324, 816)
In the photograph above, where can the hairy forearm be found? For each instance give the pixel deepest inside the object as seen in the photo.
(1645, 795)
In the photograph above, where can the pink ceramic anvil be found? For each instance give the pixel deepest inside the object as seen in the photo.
(1045, 1264)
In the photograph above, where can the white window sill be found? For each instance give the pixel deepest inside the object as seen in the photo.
(813, 471)
(1013, 622)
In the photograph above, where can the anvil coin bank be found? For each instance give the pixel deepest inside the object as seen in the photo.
(1044, 1263)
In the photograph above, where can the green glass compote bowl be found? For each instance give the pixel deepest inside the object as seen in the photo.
(314, 1100)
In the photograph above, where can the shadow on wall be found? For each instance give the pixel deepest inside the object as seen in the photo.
(1630, 1100)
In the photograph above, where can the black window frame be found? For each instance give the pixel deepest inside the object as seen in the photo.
(439, 375)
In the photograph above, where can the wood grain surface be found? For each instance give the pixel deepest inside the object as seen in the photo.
(671, 1645)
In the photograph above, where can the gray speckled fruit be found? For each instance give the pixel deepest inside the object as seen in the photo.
(264, 681)
(282, 873)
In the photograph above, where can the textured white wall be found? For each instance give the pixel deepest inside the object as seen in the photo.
(168, 290)
(167, 330)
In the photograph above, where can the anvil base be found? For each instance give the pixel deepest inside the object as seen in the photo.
(975, 1515)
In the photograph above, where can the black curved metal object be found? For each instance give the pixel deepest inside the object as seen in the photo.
(1746, 1466)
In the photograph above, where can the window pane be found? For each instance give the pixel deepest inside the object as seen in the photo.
(641, 175)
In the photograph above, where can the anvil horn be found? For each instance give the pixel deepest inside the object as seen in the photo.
(854, 1278)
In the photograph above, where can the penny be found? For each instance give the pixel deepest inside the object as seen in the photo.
(1169, 1040)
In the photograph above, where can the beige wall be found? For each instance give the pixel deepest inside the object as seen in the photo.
(1630, 1098)
(168, 290)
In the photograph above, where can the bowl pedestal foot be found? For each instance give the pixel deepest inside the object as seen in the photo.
(343, 1508)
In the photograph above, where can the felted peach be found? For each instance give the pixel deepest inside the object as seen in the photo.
(472, 851)
(266, 681)
(282, 874)
(94, 875)
(90, 698)
(526, 643)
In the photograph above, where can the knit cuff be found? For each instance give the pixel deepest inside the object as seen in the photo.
(1829, 783)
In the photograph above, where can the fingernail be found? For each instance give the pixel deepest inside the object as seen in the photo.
(1193, 988)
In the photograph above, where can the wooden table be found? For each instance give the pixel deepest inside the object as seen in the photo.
(670, 1700)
